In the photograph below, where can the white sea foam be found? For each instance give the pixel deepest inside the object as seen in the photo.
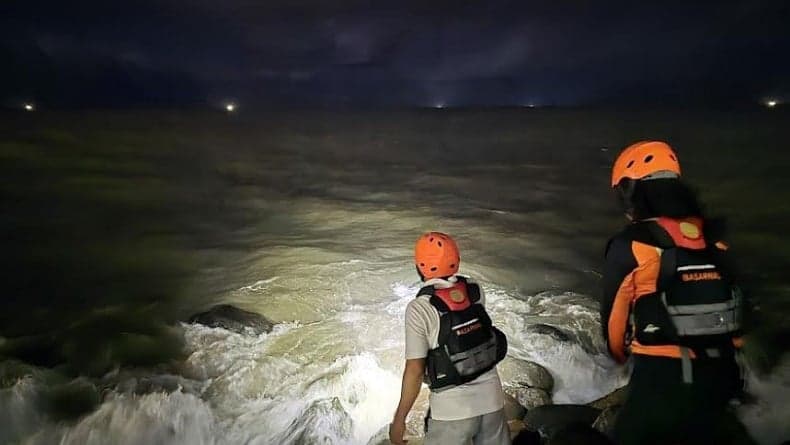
(767, 419)
(334, 381)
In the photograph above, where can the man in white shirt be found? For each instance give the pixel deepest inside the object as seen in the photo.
(451, 342)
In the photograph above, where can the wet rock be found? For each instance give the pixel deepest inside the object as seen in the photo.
(529, 397)
(515, 426)
(615, 398)
(71, 400)
(549, 419)
(11, 371)
(166, 383)
(323, 421)
(576, 434)
(551, 331)
(415, 424)
(527, 437)
(233, 319)
(605, 420)
(513, 409)
(141, 381)
(526, 374)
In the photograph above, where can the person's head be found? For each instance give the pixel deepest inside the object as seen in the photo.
(646, 178)
(436, 256)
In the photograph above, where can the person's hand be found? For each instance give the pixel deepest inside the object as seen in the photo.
(397, 430)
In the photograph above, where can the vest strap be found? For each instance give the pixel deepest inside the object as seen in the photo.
(685, 363)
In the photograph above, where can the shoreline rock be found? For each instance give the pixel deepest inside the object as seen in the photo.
(514, 411)
(614, 398)
(605, 420)
(552, 331)
(526, 374)
(233, 319)
(548, 419)
(529, 398)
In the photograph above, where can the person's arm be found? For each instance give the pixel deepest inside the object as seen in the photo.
(417, 345)
(617, 295)
(410, 389)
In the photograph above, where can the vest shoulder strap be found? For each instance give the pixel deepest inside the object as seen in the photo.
(650, 232)
(668, 269)
(472, 290)
(426, 290)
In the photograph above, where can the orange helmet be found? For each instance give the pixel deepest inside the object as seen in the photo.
(436, 255)
(644, 159)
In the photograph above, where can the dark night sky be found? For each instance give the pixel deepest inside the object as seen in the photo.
(381, 53)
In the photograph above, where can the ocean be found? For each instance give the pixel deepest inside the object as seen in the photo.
(118, 225)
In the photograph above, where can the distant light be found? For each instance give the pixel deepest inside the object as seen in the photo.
(29, 107)
(438, 105)
(230, 108)
(771, 103)
(531, 105)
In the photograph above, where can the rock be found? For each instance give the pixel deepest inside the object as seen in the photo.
(415, 421)
(527, 437)
(513, 409)
(70, 401)
(605, 420)
(165, 383)
(551, 331)
(515, 426)
(312, 425)
(528, 397)
(615, 398)
(233, 319)
(549, 419)
(578, 433)
(526, 374)
(609, 404)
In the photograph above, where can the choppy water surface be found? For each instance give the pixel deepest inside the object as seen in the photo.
(318, 220)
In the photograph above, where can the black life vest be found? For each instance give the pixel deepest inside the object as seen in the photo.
(468, 344)
(695, 306)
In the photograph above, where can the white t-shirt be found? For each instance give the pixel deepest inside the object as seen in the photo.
(482, 395)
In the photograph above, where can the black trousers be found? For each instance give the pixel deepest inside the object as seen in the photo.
(660, 409)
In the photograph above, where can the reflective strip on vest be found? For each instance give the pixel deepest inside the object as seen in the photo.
(693, 309)
(459, 326)
(706, 324)
(696, 267)
(705, 319)
(685, 365)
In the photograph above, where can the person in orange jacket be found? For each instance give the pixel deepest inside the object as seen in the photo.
(670, 302)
